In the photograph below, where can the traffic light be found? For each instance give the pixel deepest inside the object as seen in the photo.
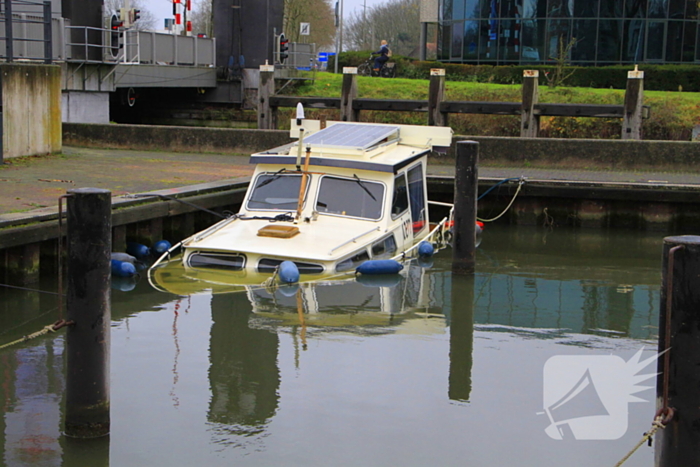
(137, 14)
(284, 47)
(115, 25)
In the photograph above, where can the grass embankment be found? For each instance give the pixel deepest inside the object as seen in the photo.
(672, 116)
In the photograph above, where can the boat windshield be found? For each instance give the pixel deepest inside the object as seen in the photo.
(350, 197)
(275, 191)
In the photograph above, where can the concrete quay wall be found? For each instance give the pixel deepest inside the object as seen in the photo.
(31, 109)
(494, 151)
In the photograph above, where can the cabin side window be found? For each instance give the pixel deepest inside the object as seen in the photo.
(350, 197)
(416, 195)
(275, 191)
(352, 262)
(384, 248)
(399, 204)
(230, 262)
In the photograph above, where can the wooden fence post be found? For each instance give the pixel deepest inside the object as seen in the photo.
(348, 94)
(634, 97)
(436, 95)
(529, 122)
(266, 88)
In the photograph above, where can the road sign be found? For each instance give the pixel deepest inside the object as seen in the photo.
(304, 29)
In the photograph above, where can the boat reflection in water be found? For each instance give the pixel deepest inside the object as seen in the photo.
(221, 377)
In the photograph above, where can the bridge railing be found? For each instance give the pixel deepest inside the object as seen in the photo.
(26, 31)
(171, 49)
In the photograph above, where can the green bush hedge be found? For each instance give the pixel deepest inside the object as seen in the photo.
(656, 77)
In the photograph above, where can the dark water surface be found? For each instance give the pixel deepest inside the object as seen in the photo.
(424, 370)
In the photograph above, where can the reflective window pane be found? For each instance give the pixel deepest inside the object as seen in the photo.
(447, 10)
(609, 41)
(472, 9)
(655, 47)
(689, 31)
(531, 42)
(558, 38)
(471, 40)
(658, 8)
(636, 9)
(457, 40)
(633, 41)
(457, 9)
(542, 31)
(586, 32)
(611, 9)
(674, 41)
(559, 8)
(586, 9)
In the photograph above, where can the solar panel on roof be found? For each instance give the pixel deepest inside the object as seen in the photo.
(347, 135)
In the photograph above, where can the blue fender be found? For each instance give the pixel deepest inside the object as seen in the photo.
(288, 272)
(379, 266)
(160, 247)
(122, 269)
(138, 250)
(425, 249)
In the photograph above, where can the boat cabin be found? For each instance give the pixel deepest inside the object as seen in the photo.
(337, 197)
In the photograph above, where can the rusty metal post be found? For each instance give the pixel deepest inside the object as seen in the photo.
(529, 122)
(348, 94)
(678, 382)
(436, 94)
(634, 98)
(465, 194)
(89, 238)
(266, 89)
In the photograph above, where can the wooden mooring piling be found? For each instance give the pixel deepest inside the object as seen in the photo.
(678, 380)
(88, 305)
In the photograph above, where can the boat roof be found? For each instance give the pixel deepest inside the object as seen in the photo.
(351, 136)
(363, 146)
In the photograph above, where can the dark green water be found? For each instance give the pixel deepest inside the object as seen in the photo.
(426, 370)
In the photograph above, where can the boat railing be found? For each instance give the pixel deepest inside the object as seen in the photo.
(214, 228)
(354, 239)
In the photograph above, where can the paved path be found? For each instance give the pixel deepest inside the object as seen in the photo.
(35, 182)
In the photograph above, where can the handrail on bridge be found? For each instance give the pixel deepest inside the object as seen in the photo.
(46, 33)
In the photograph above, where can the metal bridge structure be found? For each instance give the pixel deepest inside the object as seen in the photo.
(110, 74)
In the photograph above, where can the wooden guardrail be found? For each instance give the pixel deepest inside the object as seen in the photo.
(438, 109)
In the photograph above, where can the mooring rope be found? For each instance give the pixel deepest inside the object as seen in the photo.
(660, 421)
(27, 289)
(520, 184)
(45, 330)
(172, 198)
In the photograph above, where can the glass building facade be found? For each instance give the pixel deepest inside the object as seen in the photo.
(584, 32)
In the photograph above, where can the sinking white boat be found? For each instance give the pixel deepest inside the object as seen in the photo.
(338, 197)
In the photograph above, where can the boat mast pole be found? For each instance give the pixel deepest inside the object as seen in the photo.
(302, 189)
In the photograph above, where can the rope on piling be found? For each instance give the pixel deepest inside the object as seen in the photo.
(45, 330)
(520, 185)
(662, 418)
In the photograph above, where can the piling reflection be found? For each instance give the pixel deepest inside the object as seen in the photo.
(461, 337)
(243, 374)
